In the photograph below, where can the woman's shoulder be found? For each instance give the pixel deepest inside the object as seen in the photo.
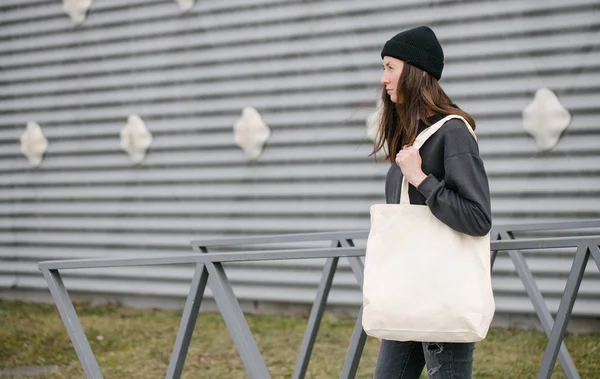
(455, 126)
(457, 138)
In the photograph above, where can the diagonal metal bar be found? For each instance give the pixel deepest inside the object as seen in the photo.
(315, 317)
(595, 252)
(356, 263)
(564, 312)
(73, 325)
(540, 307)
(359, 337)
(188, 322)
(236, 323)
(347, 242)
(358, 269)
(494, 253)
(355, 350)
(319, 304)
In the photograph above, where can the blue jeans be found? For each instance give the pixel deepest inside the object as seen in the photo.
(405, 360)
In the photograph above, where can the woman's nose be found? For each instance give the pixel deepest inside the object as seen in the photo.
(384, 80)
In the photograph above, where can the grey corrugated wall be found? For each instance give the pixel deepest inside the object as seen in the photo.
(312, 71)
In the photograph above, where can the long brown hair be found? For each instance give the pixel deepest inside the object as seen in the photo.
(422, 97)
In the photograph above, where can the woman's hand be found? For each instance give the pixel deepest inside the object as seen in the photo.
(409, 161)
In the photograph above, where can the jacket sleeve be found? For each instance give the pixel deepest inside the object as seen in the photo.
(462, 199)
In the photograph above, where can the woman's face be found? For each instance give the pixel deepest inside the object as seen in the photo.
(392, 68)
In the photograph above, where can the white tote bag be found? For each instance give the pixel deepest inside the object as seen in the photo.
(424, 281)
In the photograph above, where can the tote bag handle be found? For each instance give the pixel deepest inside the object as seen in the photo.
(420, 141)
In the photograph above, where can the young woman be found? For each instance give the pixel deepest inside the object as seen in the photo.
(446, 174)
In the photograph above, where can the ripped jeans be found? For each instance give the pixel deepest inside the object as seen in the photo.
(405, 360)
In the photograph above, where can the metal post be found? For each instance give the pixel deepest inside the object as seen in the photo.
(564, 312)
(73, 325)
(355, 350)
(359, 337)
(188, 322)
(315, 317)
(236, 323)
(540, 307)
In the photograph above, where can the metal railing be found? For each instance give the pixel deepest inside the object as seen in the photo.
(507, 232)
(209, 268)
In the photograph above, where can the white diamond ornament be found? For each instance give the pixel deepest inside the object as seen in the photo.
(77, 9)
(373, 124)
(251, 133)
(33, 143)
(545, 119)
(186, 5)
(135, 138)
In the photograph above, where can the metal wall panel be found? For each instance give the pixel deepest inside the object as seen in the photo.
(312, 71)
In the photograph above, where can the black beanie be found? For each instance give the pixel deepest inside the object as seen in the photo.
(418, 47)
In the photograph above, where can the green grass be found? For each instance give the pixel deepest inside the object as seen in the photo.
(133, 343)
